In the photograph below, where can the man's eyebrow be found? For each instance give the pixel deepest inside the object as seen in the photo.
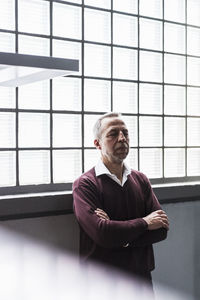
(113, 130)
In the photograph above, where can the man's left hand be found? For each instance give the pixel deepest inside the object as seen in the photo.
(101, 214)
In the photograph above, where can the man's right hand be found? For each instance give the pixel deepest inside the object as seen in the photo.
(157, 219)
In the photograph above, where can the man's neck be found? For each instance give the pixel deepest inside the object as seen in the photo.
(115, 168)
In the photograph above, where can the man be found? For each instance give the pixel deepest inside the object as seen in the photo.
(118, 213)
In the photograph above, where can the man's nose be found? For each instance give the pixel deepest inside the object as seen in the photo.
(121, 136)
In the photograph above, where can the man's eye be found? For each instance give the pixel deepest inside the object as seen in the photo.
(112, 134)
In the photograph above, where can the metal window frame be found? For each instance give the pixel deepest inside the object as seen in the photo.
(67, 186)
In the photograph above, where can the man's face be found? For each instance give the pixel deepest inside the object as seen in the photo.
(114, 140)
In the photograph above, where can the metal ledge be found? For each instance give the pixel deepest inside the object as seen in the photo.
(19, 69)
(59, 203)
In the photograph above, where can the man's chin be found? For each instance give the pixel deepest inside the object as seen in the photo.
(121, 157)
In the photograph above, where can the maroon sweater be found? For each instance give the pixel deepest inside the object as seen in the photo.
(104, 240)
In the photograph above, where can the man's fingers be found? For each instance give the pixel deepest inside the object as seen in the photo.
(166, 225)
(160, 212)
(102, 214)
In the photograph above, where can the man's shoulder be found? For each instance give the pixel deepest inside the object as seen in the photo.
(86, 178)
(138, 175)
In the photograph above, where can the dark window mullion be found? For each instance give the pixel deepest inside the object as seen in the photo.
(111, 90)
(82, 104)
(186, 114)
(163, 92)
(17, 98)
(51, 90)
(138, 89)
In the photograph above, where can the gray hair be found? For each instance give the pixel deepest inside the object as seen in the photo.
(97, 125)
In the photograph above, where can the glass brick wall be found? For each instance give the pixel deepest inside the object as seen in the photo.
(137, 57)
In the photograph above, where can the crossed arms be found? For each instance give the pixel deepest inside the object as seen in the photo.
(109, 233)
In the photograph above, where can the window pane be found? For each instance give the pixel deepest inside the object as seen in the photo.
(174, 69)
(63, 161)
(150, 131)
(66, 130)
(125, 63)
(66, 93)
(193, 41)
(7, 42)
(193, 12)
(66, 49)
(98, 3)
(34, 167)
(97, 22)
(125, 30)
(73, 1)
(97, 95)
(174, 162)
(174, 134)
(150, 66)
(89, 121)
(7, 14)
(150, 99)
(193, 103)
(193, 129)
(193, 162)
(193, 68)
(174, 40)
(125, 97)
(151, 162)
(151, 8)
(7, 130)
(131, 123)
(34, 130)
(174, 99)
(66, 21)
(34, 95)
(7, 167)
(97, 61)
(132, 159)
(33, 45)
(129, 6)
(150, 34)
(34, 16)
(7, 97)
(91, 158)
(174, 10)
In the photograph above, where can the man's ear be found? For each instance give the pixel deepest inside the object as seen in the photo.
(97, 144)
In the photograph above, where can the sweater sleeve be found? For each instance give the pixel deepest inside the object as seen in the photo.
(105, 233)
(152, 204)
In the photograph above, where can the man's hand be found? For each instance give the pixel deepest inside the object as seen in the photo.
(157, 219)
(101, 214)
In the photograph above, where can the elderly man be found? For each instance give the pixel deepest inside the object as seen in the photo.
(118, 213)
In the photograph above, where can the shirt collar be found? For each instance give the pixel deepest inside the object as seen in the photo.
(101, 169)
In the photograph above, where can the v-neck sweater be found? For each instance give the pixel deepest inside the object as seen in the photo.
(105, 240)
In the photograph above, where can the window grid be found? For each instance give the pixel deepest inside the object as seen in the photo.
(186, 158)
(110, 79)
(138, 90)
(163, 87)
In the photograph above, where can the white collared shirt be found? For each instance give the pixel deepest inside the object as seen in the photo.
(101, 169)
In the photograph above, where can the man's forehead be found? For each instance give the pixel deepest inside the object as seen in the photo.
(112, 122)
